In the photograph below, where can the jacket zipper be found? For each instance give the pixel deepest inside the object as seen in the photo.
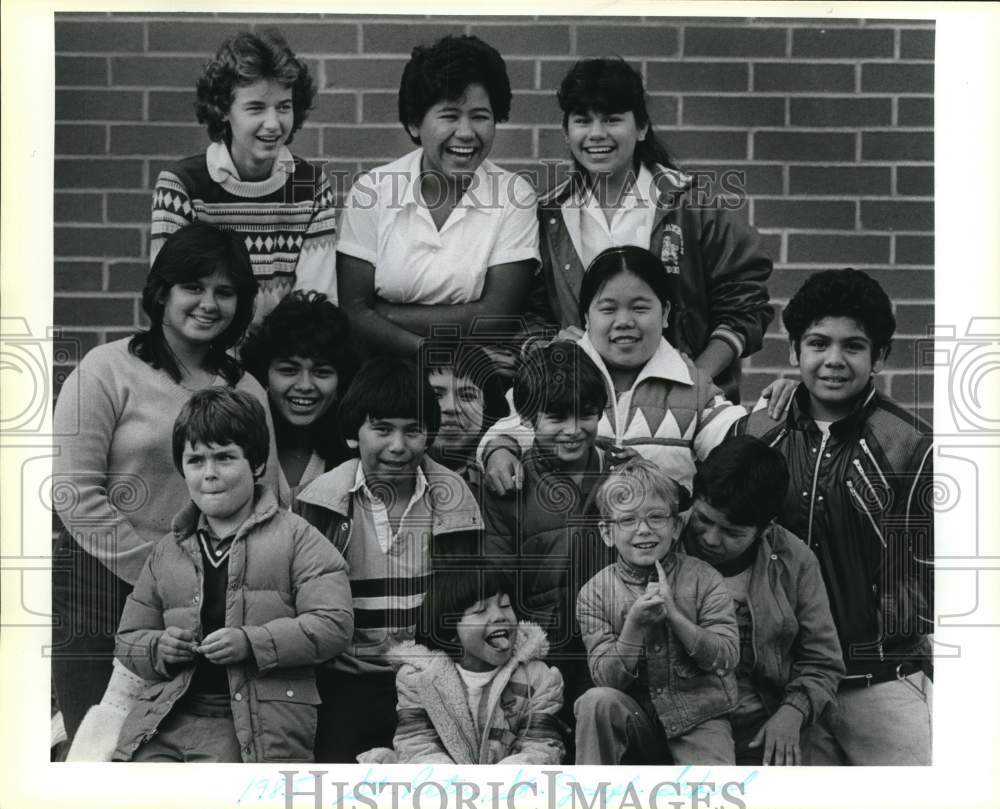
(812, 496)
(861, 471)
(864, 508)
(777, 440)
(868, 452)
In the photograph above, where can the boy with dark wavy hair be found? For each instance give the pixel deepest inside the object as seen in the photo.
(861, 475)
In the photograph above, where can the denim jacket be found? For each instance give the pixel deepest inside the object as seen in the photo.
(797, 658)
(684, 686)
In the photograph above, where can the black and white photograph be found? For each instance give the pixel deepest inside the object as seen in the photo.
(432, 406)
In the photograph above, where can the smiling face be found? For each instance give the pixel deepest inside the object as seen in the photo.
(260, 118)
(710, 535)
(220, 481)
(462, 407)
(566, 438)
(642, 534)
(196, 312)
(835, 362)
(391, 449)
(486, 633)
(456, 135)
(301, 389)
(604, 143)
(625, 322)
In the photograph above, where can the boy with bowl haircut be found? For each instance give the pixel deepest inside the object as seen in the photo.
(233, 609)
(394, 514)
(549, 526)
(661, 636)
(860, 496)
(790, 660)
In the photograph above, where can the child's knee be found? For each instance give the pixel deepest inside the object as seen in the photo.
(601, 704)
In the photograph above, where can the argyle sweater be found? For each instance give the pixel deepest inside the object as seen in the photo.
(288, 220)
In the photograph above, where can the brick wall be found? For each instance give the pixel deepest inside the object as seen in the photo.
(831, 123)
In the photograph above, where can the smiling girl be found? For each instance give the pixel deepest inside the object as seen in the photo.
(113, 485)
(442, 236)
(626, 190)
(301, 353)
(253, 97)
(475, 688)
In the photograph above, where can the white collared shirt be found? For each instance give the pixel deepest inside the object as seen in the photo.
(631, 223)
(386, 223)
(374, 507)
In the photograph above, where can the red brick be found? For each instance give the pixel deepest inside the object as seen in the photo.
(80, 139)
(753, 382)
(725, 77)
(151, 139)
(364, 142)
(881, 77)
(916, 111)
(807, 147)
(306, 142)
(916, 44)
(98, 105)
(737, 41)
(750, 179)
(772, 246)
(317, 37)
(127, 276)
(837, 250)
(386, 38)
(72, 345)
(785, 281)
(911, 390)
(172, 106)
(76, 276)
(187, 36)
(99, 36)
(841, 112)
(78, 311)
(851, 180)
(773, 354)
(535, 39)
(334, 108)
(98, 242)
(511, 143)
(379, 108)
(843, 43)
(72, 173)
(704, 144)
(363, 74)
(897, 146)
(914, 318)
(917, 181)
(804, 214)
(156, 71)
(78, 207)
(553, 72)
(903, 355)
(81, 71)
(662, 109)
(521, 73)
(535, 108)
(915, 250)
(130, 207)
(894, 215)
(625, 40)
(734, 111)
(798, 77)
(911, 284)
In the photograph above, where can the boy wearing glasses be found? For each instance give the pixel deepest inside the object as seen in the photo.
(661, 636)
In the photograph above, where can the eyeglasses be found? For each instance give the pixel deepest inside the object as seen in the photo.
(656, 520)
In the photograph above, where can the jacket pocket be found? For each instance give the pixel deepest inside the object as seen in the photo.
(287, 718)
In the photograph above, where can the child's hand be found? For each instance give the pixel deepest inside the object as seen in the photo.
(780, 737)
(666, 593)
(503, 471)
(619, 455)
(176, 645)
(226, 645)
(647, 609)
(779, 397)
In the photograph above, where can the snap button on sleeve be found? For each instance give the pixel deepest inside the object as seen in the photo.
(289, 693)
(238, 698)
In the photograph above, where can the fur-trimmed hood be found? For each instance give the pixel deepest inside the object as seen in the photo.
(530, 643)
